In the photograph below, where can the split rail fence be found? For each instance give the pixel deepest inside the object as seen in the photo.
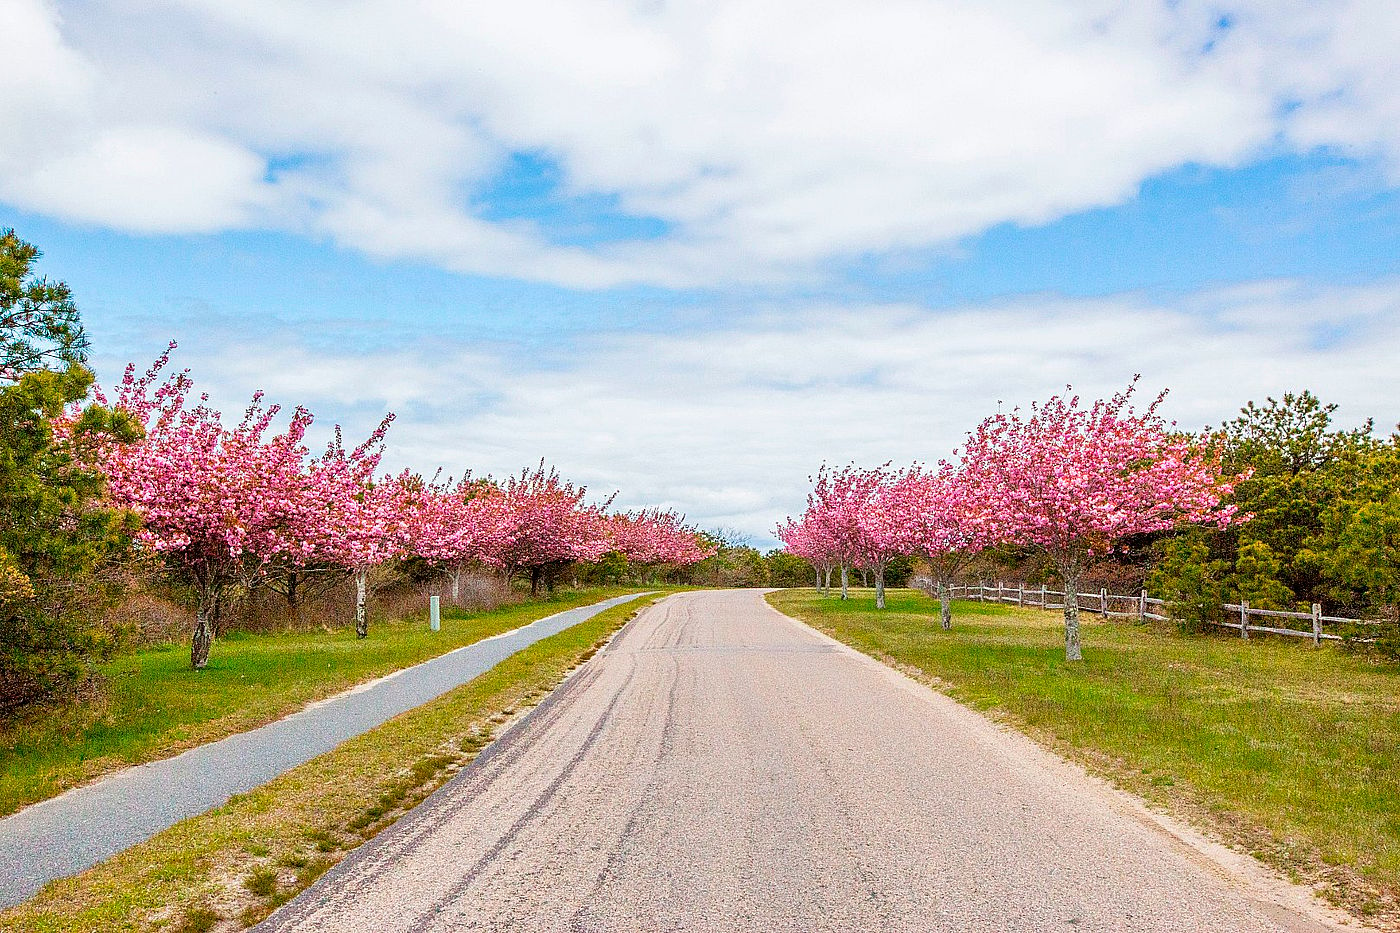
(1142, 606)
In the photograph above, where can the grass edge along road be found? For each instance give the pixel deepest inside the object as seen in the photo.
(1281, 750)
(151, 705)
(229, 868)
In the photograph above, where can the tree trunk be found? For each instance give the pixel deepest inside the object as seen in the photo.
(534, 581)
(1071, 582)
(361, 617)
(819, 581)
(205, 619)
(880, 587)
(945, 606)
(293, 581)
(864, 579)
(845, 582)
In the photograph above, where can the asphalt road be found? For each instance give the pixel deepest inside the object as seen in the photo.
(80, 828)
(722, 767)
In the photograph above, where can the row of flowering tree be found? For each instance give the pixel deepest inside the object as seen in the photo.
(1067, 479)
(225, 506)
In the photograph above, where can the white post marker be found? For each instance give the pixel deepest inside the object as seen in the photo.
(434, 614)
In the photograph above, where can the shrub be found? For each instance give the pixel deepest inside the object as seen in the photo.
(1190, 582)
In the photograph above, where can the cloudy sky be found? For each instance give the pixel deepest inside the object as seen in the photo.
(690, 250)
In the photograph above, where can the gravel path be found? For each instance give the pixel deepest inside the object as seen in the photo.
(80, 828)
(722, 767)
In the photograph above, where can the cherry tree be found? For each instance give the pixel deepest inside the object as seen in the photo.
(943, 522)
(804, 537)
(655, 537)
(363, 523)
(219, 503)
(878, 532)
(849, 512)
(457, 524)
(548, 525)
(830, 511)
(1073, 481)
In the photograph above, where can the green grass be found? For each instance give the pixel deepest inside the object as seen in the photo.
(150, 704)
(239, 862)
(1287, 751)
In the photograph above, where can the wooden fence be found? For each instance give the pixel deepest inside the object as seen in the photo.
(1142, 606)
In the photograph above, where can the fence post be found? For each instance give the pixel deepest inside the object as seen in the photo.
(1317, 624)
(1103, 601)
(1142, 606)
(1044, 596)
(1244, 619)
(1021, 594)
(999, 588)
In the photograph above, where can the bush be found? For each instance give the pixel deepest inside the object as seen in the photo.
(1190, 582)
(786, 569)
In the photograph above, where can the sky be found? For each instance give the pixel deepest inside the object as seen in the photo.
(690, 251)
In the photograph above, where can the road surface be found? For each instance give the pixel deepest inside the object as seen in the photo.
(722, 767)
(76, 830)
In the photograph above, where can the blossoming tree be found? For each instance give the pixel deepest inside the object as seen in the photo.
(456, 524)
(878, 532)
(654, 538)
(944, 522)
(362, 523)
(548, 525)
(1073, 481)
(219, 503)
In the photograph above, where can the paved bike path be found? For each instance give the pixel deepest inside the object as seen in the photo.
(76, 830)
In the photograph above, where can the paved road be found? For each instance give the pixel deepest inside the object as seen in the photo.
(78, 829)
(721, 767)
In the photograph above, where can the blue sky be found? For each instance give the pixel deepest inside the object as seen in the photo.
(691, 252)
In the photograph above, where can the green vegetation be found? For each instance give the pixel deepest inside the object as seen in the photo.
(1290, 752)
(149, 704)
(54, 534)
(242, 860)
(1326, 516)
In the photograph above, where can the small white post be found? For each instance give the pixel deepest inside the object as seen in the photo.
(1244, 619)
(1021, 594)
(1103, 601)
(1044, 595)
(434, 614)
(999, 587)
(1317, 624)
(1142, 606)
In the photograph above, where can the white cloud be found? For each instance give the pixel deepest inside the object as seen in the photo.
(147, 179)
(770, 136)
(727, 422)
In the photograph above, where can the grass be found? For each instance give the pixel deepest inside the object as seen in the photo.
(151, 705)
(1286, 751)
(232, 866)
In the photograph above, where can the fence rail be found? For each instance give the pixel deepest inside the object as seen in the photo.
(1141, 606)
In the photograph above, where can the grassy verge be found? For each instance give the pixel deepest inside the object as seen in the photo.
(150, 705)
(229, 868)
(1289, 752)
